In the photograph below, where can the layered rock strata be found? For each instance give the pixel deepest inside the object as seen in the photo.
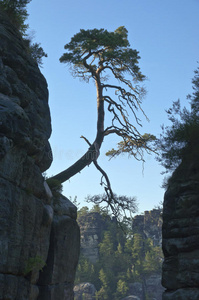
(181, 231)
(92, 226)
(149, 225)
(37, 232)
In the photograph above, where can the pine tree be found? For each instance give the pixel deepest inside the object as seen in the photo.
(122, 289)
(180, 139)
(107, 59)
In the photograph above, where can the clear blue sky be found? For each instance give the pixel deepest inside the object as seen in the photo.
(166, 35)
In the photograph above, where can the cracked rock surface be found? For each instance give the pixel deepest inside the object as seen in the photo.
(34, 235)
(181, 231)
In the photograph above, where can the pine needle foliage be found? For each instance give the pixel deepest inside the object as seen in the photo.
(180, 140)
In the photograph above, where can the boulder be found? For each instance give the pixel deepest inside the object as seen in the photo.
(137, 290)
(154, 288)
(131, 297)
(85, 290)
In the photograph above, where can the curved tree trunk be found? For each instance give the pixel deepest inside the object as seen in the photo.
(79, 165)
(93, 151)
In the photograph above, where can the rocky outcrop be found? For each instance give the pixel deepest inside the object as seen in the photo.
(154, 288)
(35, 233)
(92, 226)
(151, 288)
(85, 291)
(149, 225)
(131, 298)
(56, 280)
(136, 289)
(181, 231)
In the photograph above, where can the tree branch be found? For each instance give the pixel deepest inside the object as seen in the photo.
(107, 185)
(79, 165)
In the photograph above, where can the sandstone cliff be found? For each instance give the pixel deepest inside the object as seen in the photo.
(39, 236)
(181, 231)
(149, 225)
(92, 226)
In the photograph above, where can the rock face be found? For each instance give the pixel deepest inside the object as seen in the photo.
(56, 280)
(131, 298)
(181, 231)
(149, 225)
(35, 233)
(136, 290)
(152, 288)
(92, 226)
(85, 291)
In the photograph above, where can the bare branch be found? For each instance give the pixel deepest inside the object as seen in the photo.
(120, 207)
(126, 126)
(107, 185)
(83, 137)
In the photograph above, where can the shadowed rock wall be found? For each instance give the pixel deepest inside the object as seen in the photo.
(181, 231)
(36, 231)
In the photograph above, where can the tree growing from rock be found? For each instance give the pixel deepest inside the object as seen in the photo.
(17, 13)
(106, 59)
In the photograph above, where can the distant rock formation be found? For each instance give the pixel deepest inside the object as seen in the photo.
(153, 289)
(181, 231)
(149, 225)
(35, 233)
(92, 226)
(85, 291)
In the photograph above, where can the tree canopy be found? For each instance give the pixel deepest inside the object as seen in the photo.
(107, 50)
(107, 59)
(179, 140)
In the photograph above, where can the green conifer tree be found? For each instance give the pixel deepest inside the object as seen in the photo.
(180, 139)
